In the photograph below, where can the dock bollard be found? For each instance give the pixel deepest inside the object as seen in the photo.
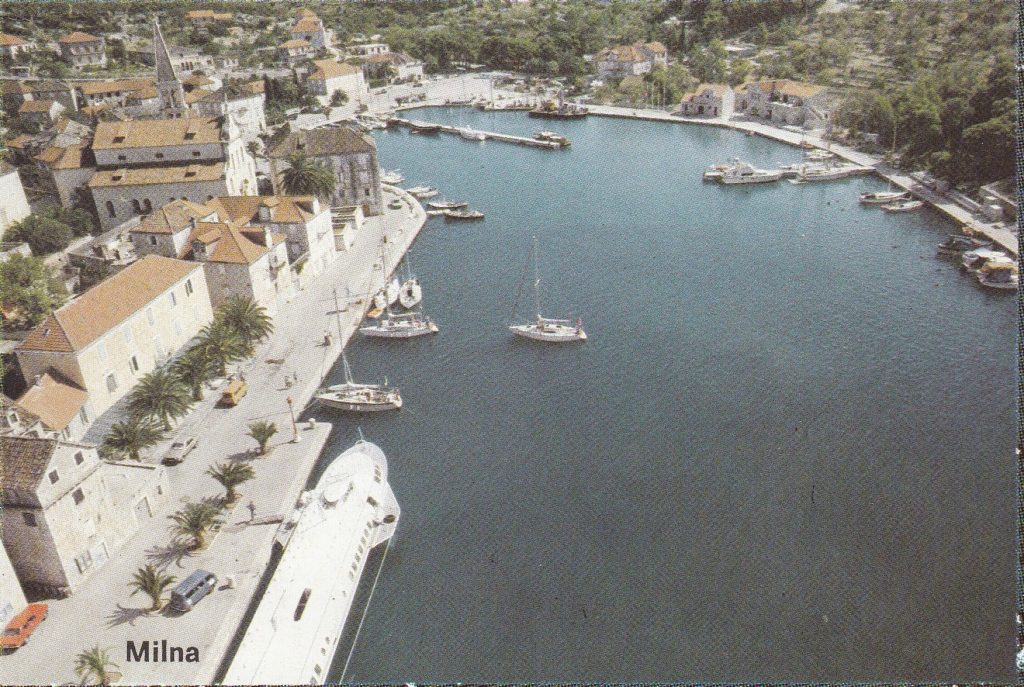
(312, 423)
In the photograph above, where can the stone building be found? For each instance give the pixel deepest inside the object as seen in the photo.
(350, 154)
(295, 50)
(12, 598)
(57, 404)
(70, 168)
(400, 65)
(147, 163)
(308, 27)
(42, 113)
(329, 76)
(13, 203)
(708, 99)
(106, 339)
(82, 50)
(66, 512)
(785, 102)
(630, 60)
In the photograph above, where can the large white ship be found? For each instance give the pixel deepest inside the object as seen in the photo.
(295, 630)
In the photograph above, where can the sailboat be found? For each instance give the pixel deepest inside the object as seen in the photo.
(546, 328)
(389, 294)
(402, 325)
(359, 398)
(411, 293)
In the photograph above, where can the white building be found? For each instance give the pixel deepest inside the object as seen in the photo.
(82, 50)
(13, 203)
(630, 60)
(66, 512)
(102, 342)
(295, 50)
(12, 46)
(12, 598)
(329, 76)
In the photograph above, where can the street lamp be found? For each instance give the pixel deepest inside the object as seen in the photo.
(295, 428)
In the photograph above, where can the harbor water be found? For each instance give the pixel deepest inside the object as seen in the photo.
(785, 453)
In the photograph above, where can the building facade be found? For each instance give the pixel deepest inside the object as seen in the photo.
(308, 27)
(12, 598)
(13, 46)
(124, 327)
(82, 50)
(708, 100)
(13, 203)
(785, 102)
(329, 76)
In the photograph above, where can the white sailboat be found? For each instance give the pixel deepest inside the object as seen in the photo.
(359, 398)
(410, 293)
(400, 326)
(546, 328)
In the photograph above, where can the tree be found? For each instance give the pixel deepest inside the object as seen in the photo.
(230, 475)
(28, 291)
(739, 70)
(307, 177)
(43, 234)
(194, 369)
(95, 663)
(132, 436)
(262, 432)
(160, 395)
(194, 521)
(222, 345)
(339, 98)
(152, 583)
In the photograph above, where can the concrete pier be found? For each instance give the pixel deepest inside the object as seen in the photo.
(489, 135)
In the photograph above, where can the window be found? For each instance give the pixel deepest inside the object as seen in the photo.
(148, 205)
(83, 416)
(159, 156)
(159, 346)
(172, 298)
(110, 209)
(149, 315)
(152, 240)
(29, 518)
(53, 476)
(189, 135)
(122, 158)
(366, 192)
(196, 153)
(78, 496)
(111, 383)
(79, 458)
(188, 287)
(134, 363)
(301, 607)
(118, 139)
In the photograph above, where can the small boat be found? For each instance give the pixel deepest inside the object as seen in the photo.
(818, 155)
(393, 177)
(999, 273)
(903, 206)
(435, 213)
(463, 214)
(825, 173)
(743, 173)
(546, 328)
(388, 295)
(421, 127)
(446, 205)
(882, 197)
(957, 244)
(552, 137)
(359, 398)
(400, 326)
(411, 293)
(716, 172)
(422, 192)
(974, 260)
(472, 134)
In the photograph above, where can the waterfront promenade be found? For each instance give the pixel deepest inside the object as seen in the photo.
(995, 231)
(101, 612)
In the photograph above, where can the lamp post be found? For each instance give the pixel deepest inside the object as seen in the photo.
(295, 428)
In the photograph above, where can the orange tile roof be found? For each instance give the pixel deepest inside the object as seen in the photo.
(69, 157)
(20, 141)
(329, 69)
(77, 324)
(246, 209)
(306, 25)
(170, 174)
(78, 37)
(253, 86)
(785, 86)
(196, 94)
(156, 132)
(54, 400)
(295, 43)
(144, 94)
(230, 244)
(197, 80)
(199, 14)
(656, 46)
(112, 86)
(172, 217)
(36, 106)
(8, 39)
(304, 12)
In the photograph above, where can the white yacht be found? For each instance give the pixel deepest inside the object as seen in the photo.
(829, 172)
(883, 197)
(295, 630)
(359, 398)
(546, 328)
(400, 326)
(903, 206)
(999, 273)
(472, 134)
(389, 294)
(974, 260)
(393, 177)
(422, 192)
(745, 173)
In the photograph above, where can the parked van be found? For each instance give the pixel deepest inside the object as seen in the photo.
(193, 588)
(234, 393)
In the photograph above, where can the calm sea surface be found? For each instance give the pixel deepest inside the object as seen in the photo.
(786, 451)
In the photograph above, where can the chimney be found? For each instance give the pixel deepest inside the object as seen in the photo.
(192, 223)
(268, 240)
(265, 213)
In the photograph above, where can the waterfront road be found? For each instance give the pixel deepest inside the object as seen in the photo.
(101, 612)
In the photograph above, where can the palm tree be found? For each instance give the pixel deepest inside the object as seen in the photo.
(230, 475)
(95, 663)
(307, 177)
(131, 436)
(161, 395)
(152, 583)
(194, 369)
(194, 520)
(262, 431)
(247, 319)
(222, 345)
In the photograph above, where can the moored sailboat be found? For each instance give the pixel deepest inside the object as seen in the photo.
(546, 328)
(359, 398)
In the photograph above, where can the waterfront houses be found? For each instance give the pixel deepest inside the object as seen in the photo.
(350, 154)
(83, 50)
(630, 60)
(785, 102)
(102, 342)
(66, 512)
(329, 76)
(708, 99)
(403, 67)
(13, 203)
(147, 163)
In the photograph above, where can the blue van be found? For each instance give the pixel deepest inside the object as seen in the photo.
(193, 588)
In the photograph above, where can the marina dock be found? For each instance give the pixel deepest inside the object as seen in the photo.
(489, 135)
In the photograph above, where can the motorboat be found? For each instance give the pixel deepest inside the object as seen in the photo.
(716, 172)
(823, 173)
(956, 244)
(359, 398)
(903, 206)
(552, 137)
(393, 177)
(818, 155)
(388, 295)
(422, 192)
(463, 214)
(472, 134)
(883, 197)
(999, 273)
(974, 260)
(435, 213)
(744, 173)
(400, 326)
(446, 205)
(546, 328)
(421, 127)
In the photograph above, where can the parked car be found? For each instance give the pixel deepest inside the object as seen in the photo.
(22, 626)
(192, 589)
(234, 393)
(178, 450)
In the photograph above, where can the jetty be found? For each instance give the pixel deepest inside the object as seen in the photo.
(488, 135)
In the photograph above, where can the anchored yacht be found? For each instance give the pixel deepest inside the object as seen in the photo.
(295, 631)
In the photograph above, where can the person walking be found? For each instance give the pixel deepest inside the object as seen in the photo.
(252, 510)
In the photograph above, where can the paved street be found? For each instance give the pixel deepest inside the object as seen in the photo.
(101, 611)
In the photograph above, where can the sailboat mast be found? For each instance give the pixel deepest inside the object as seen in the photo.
(337, 312)
(348, 370)
(536, 277)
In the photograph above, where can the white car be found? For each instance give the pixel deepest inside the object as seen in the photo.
(178, 450)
